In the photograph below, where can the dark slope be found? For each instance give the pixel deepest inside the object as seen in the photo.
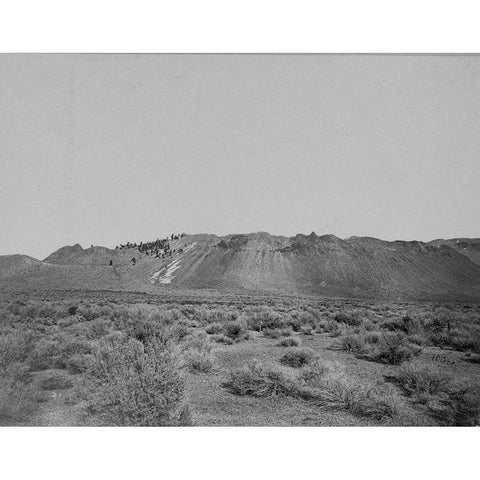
(304, 264)
(326, 265)
(470, 247)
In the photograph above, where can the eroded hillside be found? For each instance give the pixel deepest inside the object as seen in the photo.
(303, 264)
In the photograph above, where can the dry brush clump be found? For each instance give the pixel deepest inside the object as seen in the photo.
(298, 357)
(442, 328)
(79, 363)
(289, 342)
(221, 338)
(206, 315)
(389, 347)
(315, 384)
(352, 318)
(277, 332)
(131, 383)
(199, 362)
(264, 318)
(448, 402)
(18, 398)
(422, 381)
(342, 393)
(56, 381)
(259, 380)
(236, 330)
(459, 407)
(17, 395)
(197, 357)
(214, 328)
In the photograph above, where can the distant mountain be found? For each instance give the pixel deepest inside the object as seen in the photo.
(470, 247)
(76, 255)
(303, 264)
(14, 264)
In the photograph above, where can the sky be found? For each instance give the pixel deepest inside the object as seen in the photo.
(105, 149)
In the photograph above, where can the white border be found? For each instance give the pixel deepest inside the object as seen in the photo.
(243, 453)
(242, 26)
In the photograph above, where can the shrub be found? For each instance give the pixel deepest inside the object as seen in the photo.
(214, 328)
(302, 321)
(313, 372)
(265, 318)
(98, 328)
(421, 381)
(298, 357)
(261, 381)
(277, 332)
(79, 363)
(236, 330)
(289, 342)
(393, 348)
(72, 310)
(460, 407)
(220, 338)
(15, 348)
(473, 358)
(372, 337)
(65, 322)
(463, 341)
(352, 319)
(322, 326)
(333, 328)
(45, 354)
(406, 324)
(307, 329)
(315, 386)
(198, 361)
(56, 381)
(351, 343)
(131, 383)
(17, 396)
(343, 394)
(173, 333)
(199, 342)
(438, 324)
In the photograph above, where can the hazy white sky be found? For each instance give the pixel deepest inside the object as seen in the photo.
(102, 149)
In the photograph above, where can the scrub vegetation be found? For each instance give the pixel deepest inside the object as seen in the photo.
(134, 359)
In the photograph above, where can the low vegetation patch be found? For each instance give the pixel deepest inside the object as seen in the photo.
(289, 342)
(316, 385)
(351, 343)
(261, 381)
(342, 393)
(352, 319)
(199, 361)
(459, 407)
(236, 330)
(18, 399)
(451, 404)
(56, 381)
(221, 338)
(214, 328)
(422, 381)
(298, 357)
(79, 363)
(277, 332)
(393, 348)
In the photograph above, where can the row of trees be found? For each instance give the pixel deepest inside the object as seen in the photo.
(159, 248)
